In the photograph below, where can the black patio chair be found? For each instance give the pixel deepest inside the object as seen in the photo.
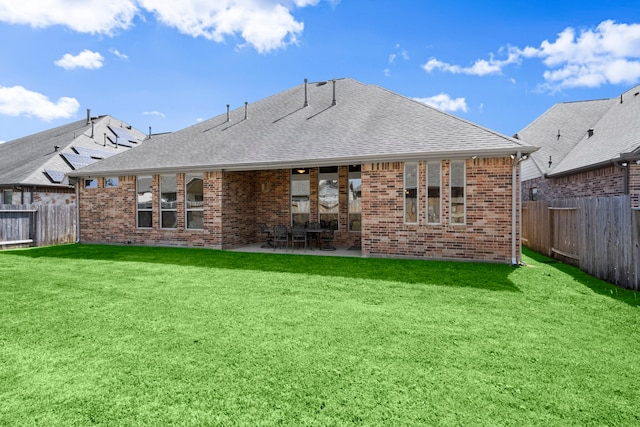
(267, 235)
(299, 235)
(280, 234)
(327, 236)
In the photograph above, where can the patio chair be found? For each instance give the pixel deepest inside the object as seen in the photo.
(326, 238)
(267, 235)
(280, 234)
(298, 235)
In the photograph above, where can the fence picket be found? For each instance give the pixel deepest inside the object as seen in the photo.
(603, 234)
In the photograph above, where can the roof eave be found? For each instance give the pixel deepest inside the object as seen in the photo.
(333, 161)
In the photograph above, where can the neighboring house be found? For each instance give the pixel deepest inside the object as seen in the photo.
(33, 168)
(398, 178)
(587, 148)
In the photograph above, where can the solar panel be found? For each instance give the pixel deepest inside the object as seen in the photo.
(121, 142)
(122, 134)
(96, 154)
(55, 176)
(77, 161)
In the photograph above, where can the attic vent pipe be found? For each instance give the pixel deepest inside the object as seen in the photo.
(228, 118)
(246, 106)
(91, 128)
(149, 132)
(558, 133)
(306, 101)
(590, 132)
(88, 116)
(334, 93)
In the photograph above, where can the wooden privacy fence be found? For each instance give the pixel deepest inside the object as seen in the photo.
(36, 225)
(599, 235)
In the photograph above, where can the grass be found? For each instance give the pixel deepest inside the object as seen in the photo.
(107, 335)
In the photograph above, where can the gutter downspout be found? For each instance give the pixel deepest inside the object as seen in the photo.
(514, 204)
(76, 184)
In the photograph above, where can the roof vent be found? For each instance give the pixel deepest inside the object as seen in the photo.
(228, 118)
(246, 111)
(558, 134)
(590, 132)
(88, 116)
(334, 93)
(56, 147)
(306, 101)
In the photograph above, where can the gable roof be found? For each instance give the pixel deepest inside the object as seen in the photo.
(34, 160)
(366, 123)
(615, 132)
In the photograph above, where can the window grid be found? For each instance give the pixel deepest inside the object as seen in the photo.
(144, 201)
(168, 201)
(411, 193)
(458, 193)
(434, 192)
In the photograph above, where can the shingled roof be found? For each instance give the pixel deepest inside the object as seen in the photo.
(315, 124)
(43, 159)
(591, 134)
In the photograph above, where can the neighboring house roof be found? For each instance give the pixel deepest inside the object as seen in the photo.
(366, 123)
(34, 160)
(592, 134)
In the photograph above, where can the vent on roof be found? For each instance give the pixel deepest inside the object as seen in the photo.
(334, 93)
(558, 134)
(306, 100)
(590, 132)
(246, 110)
(228, 117)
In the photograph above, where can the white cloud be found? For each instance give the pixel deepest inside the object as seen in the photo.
(86, 16)
(17, 101)
(445, 103)
(266, 25)
(85, 59)
(609, 53)
(117, 53)
(153, 113)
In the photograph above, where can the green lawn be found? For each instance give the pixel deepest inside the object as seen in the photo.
(114, 335)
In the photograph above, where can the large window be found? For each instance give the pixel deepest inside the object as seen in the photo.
(411, 193)
(458, 194)
(168, 201)
(328, 196)
(434, 194)
(195, 201)
(355, 196)
(7, 197)
(300, 196)
(145, 202)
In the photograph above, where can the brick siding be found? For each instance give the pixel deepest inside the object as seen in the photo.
(235, 202)
(601, 182)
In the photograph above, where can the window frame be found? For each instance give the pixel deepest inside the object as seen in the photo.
(439, 186)
(188, 208)
(138, 209)
(355, 174)
(334, 175)
(5, 192)
(111, 182)
(300, 174)
(464, 189)
(90, 183)
(173, 209)
(406, 192)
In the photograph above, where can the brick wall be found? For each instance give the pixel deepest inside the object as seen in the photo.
(602, 182)
(486, 236)
(235, 202)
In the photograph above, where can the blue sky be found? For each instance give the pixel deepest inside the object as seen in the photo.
(153, 63)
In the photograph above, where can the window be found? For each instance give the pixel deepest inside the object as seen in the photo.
(533, 194)
(355, 195)
(411, 193)
(328, 197)
(90, 183)
(7, 197)
(299, 196)
(195, 201)
(145, 202)
(168, 200)
(434, 185)
(111, 182)
(458, 201)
